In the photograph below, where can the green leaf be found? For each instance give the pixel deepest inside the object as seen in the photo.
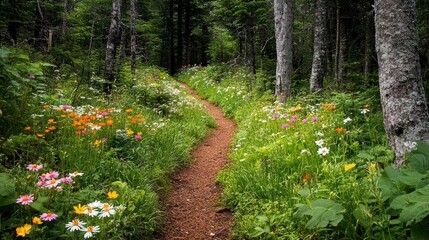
(419, 158)
(323, 212)
(38, 204)
(414, 206)
(388, 182)
(410, 178)
(4, 53)
(363, 215)
(7, 186)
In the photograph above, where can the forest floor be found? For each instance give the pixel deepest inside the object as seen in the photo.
(192, 208)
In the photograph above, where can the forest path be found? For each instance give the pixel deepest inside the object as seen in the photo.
(192, 210)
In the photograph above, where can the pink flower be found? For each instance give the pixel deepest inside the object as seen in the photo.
(52, 183)
(292, 120)
(66, 180)
(138, 137)
(285, 115)
(284, 125)
(304, 120)
(275, 116)
(42, 183)
(34, 167)
(104, 114)
(52, 175)
(315, 119)
(48, 216)
(66, 106)
(25, 199)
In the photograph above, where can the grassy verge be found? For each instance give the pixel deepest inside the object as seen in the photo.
(110, 156)
(316, 167)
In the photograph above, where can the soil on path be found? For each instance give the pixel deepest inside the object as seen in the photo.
(192, 209)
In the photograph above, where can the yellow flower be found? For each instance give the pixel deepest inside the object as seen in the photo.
(372, 167)
(22, 231)
(37, 221)
(129, 110)
(130, 132)
(112, 195)
(97, 143)
(350, 166)
(79, 209)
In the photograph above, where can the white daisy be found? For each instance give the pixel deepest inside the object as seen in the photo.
(323, 151)
(74, 225)
(90, 230)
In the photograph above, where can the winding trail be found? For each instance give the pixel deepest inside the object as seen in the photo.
(192, 209)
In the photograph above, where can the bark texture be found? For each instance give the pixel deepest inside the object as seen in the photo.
(406, 117)
(283, 21)
(320, 47)
(133, 35)
(111, 46)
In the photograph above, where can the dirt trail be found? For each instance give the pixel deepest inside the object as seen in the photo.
(192, 210)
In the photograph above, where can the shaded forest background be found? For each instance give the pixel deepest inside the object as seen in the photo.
(177, 33)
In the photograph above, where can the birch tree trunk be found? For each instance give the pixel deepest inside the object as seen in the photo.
(320, 47)
(283, 21)
(133, 35)
(406, 117)
(112, 39)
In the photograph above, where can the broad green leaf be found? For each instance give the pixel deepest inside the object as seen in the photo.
(363, 215)
(414, 206)
(410, 178)
(4, 53)
(419, 158)
(7, 186)
(388, 182)
(38, 204)
(324, 212)
(365, 155)
(4, 201)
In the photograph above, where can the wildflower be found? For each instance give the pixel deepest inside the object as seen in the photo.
(39, 135)
(52, 175)
(25, 199)
(79, 209)
(51, 121)
(66, 180)
(97, 143)
(349, 166)
(90, 230)
(348, 119)
(27, 128)
(24, 230)
(74, 225)
(74, 174)
(305, 151)
(323, 151)
(52, 183)
(59, 189)
(372, 167)
(91, 211)
(315, 119)
(109, 122)
(366, 106)
(47, 130)
(130, 132)
(34, 167)
(95, 204)
(364, 111)
(284, 125)
(48, 216)
(275, 116)
(106, 211)
(129, 110)
(320, 142)
(37, 221)
(304, 120)
(339, 130)
(320, 134)
(42, 183)
(307, 177)
(112, 195)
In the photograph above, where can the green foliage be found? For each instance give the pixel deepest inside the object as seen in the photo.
(323, 212)
(7, 190)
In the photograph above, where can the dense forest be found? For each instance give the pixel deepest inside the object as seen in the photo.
(87, 91)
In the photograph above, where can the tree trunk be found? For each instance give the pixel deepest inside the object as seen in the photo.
(170, 26)
(283, 20)
(122, 47)
(112, 39)
(179, 33)
(133, 35)
(187, 47)
(369, 45)
(406, 117)
(318, 69)
(63, 28)
(204, 44)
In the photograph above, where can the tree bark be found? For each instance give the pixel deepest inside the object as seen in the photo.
(369, 45)
(112, 39)
(283, 20)
(170, 26)
(179, 33)
(318, 69)
(133, 35)
(64, 26)
(405, 110)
